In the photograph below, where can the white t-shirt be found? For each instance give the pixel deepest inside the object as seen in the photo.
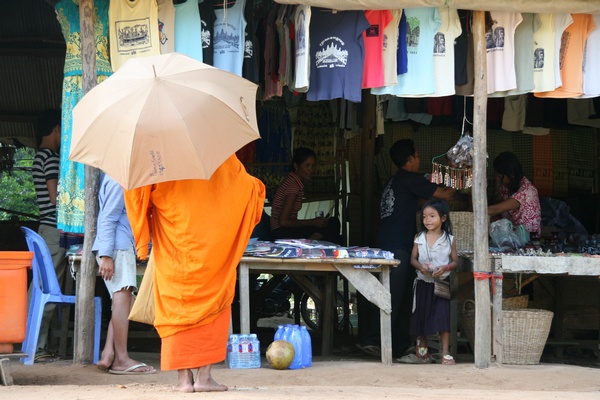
(443, 51)
(166, 26)
(302, 71)
(390, 48)
(591, 62)
(500, 49)
(561, 22)
(544, 54)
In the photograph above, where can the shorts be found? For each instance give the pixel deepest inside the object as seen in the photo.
(125, 274)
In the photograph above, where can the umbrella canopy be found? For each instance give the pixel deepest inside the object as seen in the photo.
(163, 118)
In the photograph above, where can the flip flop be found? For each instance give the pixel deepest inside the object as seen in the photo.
(370, 349)
(132, 370)
(412, 359)
(448, 360)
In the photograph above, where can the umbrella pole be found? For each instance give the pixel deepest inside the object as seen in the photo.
(83, 352)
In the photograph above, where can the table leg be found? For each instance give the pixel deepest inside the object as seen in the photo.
(386, 320)
(328, 314)
(244, 287)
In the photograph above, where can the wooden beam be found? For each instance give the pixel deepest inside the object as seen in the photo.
(481, 262)
(84, 307)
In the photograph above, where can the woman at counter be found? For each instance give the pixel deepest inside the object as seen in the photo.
(520, 202)
(288, 201)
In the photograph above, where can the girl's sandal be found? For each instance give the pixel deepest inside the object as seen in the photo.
(423, 355)
(448, 360)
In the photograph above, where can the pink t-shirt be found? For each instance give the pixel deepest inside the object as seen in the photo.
(529, 214)
(373, 75)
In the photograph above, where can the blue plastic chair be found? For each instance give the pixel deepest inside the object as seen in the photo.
(45, 289)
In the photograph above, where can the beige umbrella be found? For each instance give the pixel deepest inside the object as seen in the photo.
(163, 118)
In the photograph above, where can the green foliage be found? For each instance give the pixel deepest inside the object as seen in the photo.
(17, 192)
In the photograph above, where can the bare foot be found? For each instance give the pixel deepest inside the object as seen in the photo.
(185, 381)
(105, 361)
(210, 386)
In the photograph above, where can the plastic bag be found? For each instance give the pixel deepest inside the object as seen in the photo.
(461, 154)
(502, 234)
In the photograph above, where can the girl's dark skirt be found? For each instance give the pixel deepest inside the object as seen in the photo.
(432, 313)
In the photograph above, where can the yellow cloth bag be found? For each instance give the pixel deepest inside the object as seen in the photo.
(143, 306)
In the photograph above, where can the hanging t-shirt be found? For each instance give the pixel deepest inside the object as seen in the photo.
(373, 39)
(443, 51)
(500, 50)
(591, 62)
(523, 60)
(390, 49)
(402, 52)
(188, 31)
(250, 67)
(133, 30)
(422, 25)
(302, 17)
(561, 22)
(166, 26)
(336, 54)
(544, 54)
(228, 38)
(207, 24)
(571, 58)
(460, 49)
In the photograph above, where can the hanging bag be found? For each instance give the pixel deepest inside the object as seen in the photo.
(143, 306)
(441, 288)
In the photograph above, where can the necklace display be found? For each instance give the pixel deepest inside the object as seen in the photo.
(457, 178)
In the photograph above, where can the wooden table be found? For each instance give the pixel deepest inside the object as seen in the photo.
(374, 290)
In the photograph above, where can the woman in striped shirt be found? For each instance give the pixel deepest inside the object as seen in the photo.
(288, 201)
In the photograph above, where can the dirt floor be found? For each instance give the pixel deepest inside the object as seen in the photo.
(348, 374)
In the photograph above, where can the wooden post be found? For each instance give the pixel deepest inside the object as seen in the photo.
(86, 282)
(481, 259)
(366, 162)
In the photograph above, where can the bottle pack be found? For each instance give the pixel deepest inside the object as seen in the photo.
(243, 351)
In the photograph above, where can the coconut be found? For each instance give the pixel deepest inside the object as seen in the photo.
(280, 354)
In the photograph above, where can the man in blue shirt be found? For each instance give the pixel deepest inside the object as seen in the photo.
(114, 247)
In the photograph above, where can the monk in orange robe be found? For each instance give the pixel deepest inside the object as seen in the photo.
(199, 230)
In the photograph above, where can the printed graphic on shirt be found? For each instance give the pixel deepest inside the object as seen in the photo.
(226, 37)
(538, 58)
(248, 47)
(133, 35)
(387, 201)
(332, 53)
(301, 34)
(413, 33)
(439, 44)
(564, 45)
(494, 38)
(372, 31)
(162, 35)
(205, 33)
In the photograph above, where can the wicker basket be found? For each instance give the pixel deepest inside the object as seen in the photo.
(462, 229)
(525, 333)
(515, 302)
(467, 322)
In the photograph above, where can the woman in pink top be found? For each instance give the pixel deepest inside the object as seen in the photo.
(520, 202)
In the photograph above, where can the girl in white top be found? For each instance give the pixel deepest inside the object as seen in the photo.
(434, 256)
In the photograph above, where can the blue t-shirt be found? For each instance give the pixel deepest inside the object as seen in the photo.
(336, 55)
(188, 33)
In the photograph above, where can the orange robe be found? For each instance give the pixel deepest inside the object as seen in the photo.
(199, 229)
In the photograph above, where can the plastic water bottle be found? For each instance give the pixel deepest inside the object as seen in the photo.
(248, 351)
(278, 333)
(287, 332)
(232, 352)
(306, 347)
(296, 340)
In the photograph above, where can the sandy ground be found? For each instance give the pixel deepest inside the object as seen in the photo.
(349, 376)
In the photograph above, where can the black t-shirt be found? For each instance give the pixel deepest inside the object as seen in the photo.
(398, 209)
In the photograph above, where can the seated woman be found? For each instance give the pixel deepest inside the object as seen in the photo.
(288, 201)
(520, 202)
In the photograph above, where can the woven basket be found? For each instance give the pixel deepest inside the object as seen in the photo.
(462, 229)
(525, 333)
(515, 302)
(467, 321)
